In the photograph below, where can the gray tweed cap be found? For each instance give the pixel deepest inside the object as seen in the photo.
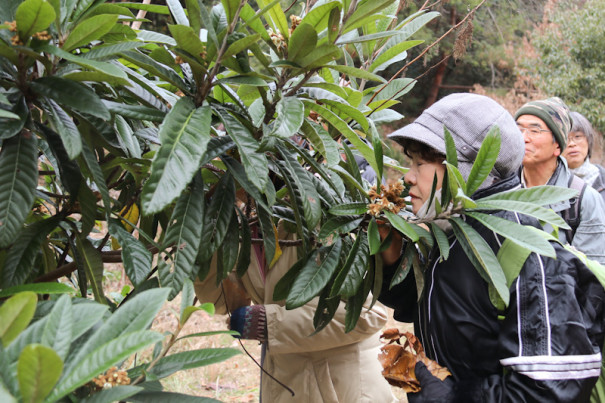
(468, 117)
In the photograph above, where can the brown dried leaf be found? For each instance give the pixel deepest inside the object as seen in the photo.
(399, 361)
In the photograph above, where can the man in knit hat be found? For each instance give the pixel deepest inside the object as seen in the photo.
(545, 125)
(546, 346)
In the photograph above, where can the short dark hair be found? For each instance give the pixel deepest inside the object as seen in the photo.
(581, 124)
(426, 152)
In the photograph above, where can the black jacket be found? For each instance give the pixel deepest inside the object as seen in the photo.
(546, 348)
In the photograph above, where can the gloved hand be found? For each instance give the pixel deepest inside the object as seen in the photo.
(250, 322)
(433, 390)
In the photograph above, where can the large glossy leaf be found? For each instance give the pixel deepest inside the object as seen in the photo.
(305, 188)
(89, 258)
(10, 127)
(393, 90)
(541, 213)
(320, 56)
(276, 17)
(38, 288)
(227, 253)
(392, 55)
(302, 42)
(350, 277)
(97, 174)
(442, 241)
(314, 275)
(290, 117)
(89, 30)
(345, 111)
(255, 163)
(155, 68)
(65, 127)
(19, 261)
(95, 65)
(347, 209)
(185, 134)
(450, 148)
(18, 180)
(340, 224)
(485, 160)
(541, 195)
(101, 358)
(135, 256)
(38, 369)
(402, 226)
(126, 138)
(191, 359)
(362, 12)
(71, 94)
(410, 25)
(217, 217)
(516, 233)
(183, 235)
(138, 112)
(319, 15)
(482, 257)
(187, 40)
(119, 393)
(405, 265)
(57, 333)
(33, 16)
(15, 315)
(322, 142)
(136, 314)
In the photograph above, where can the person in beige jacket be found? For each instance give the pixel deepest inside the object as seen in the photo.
(330, 366)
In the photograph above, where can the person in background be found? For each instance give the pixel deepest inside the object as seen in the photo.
(546, 346)
(579, 151)
(545, 125)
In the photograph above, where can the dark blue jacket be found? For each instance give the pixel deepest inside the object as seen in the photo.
(548, 346)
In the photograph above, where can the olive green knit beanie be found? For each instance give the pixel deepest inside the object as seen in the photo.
(554, 113)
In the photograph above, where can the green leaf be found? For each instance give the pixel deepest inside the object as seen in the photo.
(243, 259)
(405, 265)
(97, 174)
(155, 68)
(57, 333)
(512, 257)
(346, 111)
(320, 56)
(115, 394)
(541, 195)
(373, 236)
(364, 11)
(38, 288)
(217, 217)
(276, 17)
(152, 396)
(90, 259)
(322, 142)
(482, 257)
(101, 359)
(340, 224)
(187, 40)
(65, 127)
(350, 277)
(126, 138)
(302, 42)
(450, 148)
(187, 312)
(401, 225)
(33, 16)
(191, 359)
(72, 94)
(38, 370)
(20, 258)
(355, 304)
(530, 209)
(184, 134)
(314, 275)
(390, 91)
(138, 112)
(305, 189)
(241, 45)
(103, 67)
(193, 8)
(135, 314)
(89, 30)
(318, 16)
(254, 162)
(136, 258)
(252, 20)
(284, 285)
(516, 233)
(15, 315)
(290, 117)
(183, 234)
(18, 180)
(378, 153)
(442, 241)
(347, 209)
(485, 160)
(345, 40)
(177, 11)
(392, 55)
(227, 256)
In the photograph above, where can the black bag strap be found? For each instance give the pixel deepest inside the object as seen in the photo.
(572, 214)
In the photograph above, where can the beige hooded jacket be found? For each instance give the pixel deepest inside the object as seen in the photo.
(331, 366)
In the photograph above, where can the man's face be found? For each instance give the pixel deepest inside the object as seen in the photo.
(540, 146)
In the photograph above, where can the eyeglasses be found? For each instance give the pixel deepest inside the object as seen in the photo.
(532, 131)
(576, 138)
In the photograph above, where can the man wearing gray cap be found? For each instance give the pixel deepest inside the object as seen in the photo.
(546, 345)
(545, 125)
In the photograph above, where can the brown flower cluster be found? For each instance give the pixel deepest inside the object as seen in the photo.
(278, 40)
(388, 199)
(294, 20)
(42, 36)
(113, 377)
(12, 26)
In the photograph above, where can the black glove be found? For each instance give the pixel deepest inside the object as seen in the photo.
(433, 390)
